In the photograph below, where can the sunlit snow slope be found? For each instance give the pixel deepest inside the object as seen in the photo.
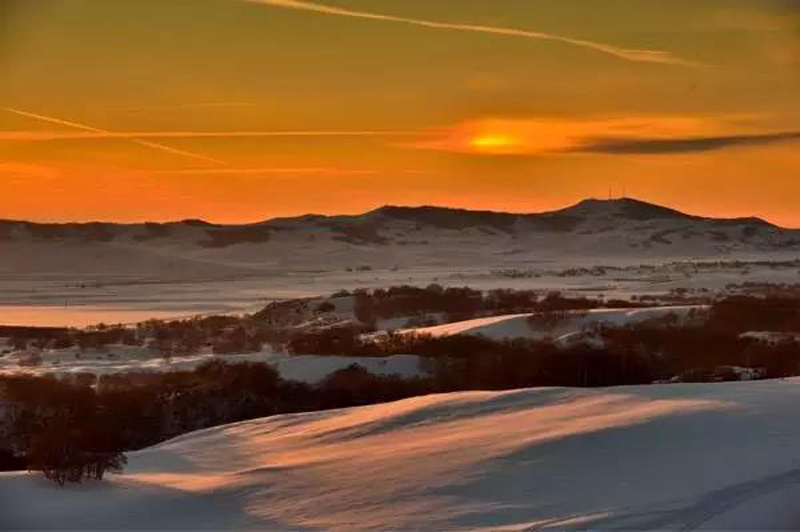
(512, 326)
(711, 456)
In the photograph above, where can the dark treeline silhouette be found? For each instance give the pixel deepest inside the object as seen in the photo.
(224, 334)
(72, 431)
(78, 428)
(242, 334)
(637, 354)
(61, 429)
(739, 314)
(460, 303)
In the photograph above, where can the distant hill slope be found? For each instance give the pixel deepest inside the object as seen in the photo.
(388, 236)
(657, 457)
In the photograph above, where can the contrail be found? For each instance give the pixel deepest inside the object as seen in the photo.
(640, 56)
(34, 136)
(260, 171)
(202, 105)
(110, 135)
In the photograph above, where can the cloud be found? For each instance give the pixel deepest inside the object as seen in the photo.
(787, 56)
(21, 170)
(269, 171)
(97, 131)
(684, 145)
(320, 171)
(750, 19)
(202, 105)
(44, 136)
(613, 135)
(639, 56)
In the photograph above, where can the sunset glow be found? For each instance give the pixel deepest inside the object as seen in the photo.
(234, 111)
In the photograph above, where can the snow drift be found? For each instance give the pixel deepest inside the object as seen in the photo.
(120, 359)
(511, 326)
(712, 456)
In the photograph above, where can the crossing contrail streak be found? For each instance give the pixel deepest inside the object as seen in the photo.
(140, 142)
(640, 56)
(42, 136)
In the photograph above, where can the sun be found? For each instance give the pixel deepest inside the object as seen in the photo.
(494, 143)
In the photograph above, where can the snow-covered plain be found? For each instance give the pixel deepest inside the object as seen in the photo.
(62, 299)
(310, 368)
(678, 457)
(110, 272)
(124, 359)
(81, 300)
(390, 237)
(512, 326)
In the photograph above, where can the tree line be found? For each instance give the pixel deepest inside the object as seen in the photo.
(79, 429)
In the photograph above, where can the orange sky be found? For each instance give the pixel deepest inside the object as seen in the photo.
(234, 110)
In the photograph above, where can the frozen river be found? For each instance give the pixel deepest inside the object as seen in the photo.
(80, 316)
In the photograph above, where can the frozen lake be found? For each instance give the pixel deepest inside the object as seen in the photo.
(60, 303)
(61, 300)
(54, 316)
(69, 303)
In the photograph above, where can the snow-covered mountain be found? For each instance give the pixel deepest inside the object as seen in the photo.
(387, 237)
(658, 457)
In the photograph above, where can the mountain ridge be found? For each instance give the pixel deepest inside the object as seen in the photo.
(391, 236)
(589, 204)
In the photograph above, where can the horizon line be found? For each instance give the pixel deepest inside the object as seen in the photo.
(377, 207)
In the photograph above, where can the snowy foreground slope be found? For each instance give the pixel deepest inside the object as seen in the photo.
(711, 456)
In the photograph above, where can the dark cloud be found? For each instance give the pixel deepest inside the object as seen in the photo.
(684, 145)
